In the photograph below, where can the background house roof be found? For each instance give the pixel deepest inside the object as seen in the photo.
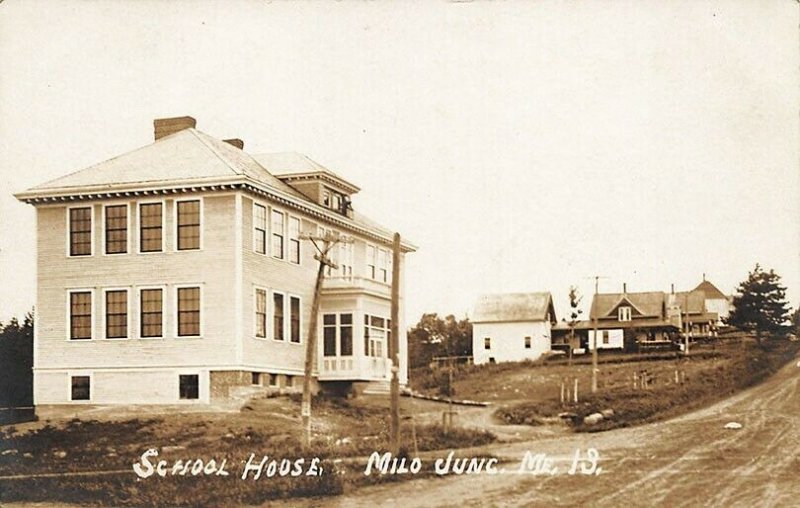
(290, 165)
(649, 303)
(513, 307)
(711, 291)
(692, 302)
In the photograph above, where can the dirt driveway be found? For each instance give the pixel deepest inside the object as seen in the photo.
(692, 460)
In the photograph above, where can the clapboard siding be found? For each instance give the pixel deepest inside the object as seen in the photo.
(145, 370)
(265, 271)
(212, 268)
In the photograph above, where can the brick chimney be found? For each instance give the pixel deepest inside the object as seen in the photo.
(166, 126)
(238, 143)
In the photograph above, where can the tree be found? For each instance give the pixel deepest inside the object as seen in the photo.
(574, 314)
(16, 362)
(434, 336)
(760, 304)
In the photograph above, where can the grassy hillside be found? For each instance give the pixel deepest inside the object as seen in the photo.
(530, 392)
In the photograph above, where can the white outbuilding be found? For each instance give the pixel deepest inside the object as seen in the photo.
(511, 327)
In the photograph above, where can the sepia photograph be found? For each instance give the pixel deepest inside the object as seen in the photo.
(399, 253)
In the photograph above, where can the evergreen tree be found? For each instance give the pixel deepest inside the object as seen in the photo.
(760, 305)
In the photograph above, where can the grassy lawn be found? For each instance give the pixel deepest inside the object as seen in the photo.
(529, 392)
(265, 427)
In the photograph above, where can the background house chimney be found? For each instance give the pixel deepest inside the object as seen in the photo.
(166, 126)
(624, 287)
(238, 143)
(672, 288)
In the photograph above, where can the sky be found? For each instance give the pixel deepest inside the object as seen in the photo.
(523, 146)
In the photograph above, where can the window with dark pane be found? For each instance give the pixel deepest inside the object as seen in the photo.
(80, 231)
(294, 240)
(80, 315)
(329, 334)
(371, 262)
(189, 225)
(277, 234)
(150, 227)
(189, 386)
(260, 228)
(278, 320)
(81, 388)
(116, 229)
(261, 313)
(188, 312)
(116, 314)
(151, 316)
(345, 334)
(294, 319)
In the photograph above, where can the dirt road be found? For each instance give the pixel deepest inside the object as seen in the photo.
(688, 461)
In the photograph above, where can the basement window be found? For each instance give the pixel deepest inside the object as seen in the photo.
(81, 388)
(189, 386)
(256, 378)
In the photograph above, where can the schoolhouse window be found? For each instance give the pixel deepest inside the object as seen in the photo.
(261, 313)
(189, 225)
(294, 319)
(80, 231)
(116, 314)
(80, 315)
(277, 234)
(277, 316)
(487, 343)
(260, 229)
(294, 240)
(527, 342)
(116, 229)
(150, 227)
(188, 312)
(152, 311)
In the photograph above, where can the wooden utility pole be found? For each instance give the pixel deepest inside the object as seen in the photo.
(595, 368)
(328, 242)
(394, 346)
(687, 324)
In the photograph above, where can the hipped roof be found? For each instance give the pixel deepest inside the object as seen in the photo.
(711, 291)
(192, 158)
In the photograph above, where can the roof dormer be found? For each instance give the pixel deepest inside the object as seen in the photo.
(316, 182)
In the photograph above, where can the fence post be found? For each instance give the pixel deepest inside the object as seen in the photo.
(576, 390)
